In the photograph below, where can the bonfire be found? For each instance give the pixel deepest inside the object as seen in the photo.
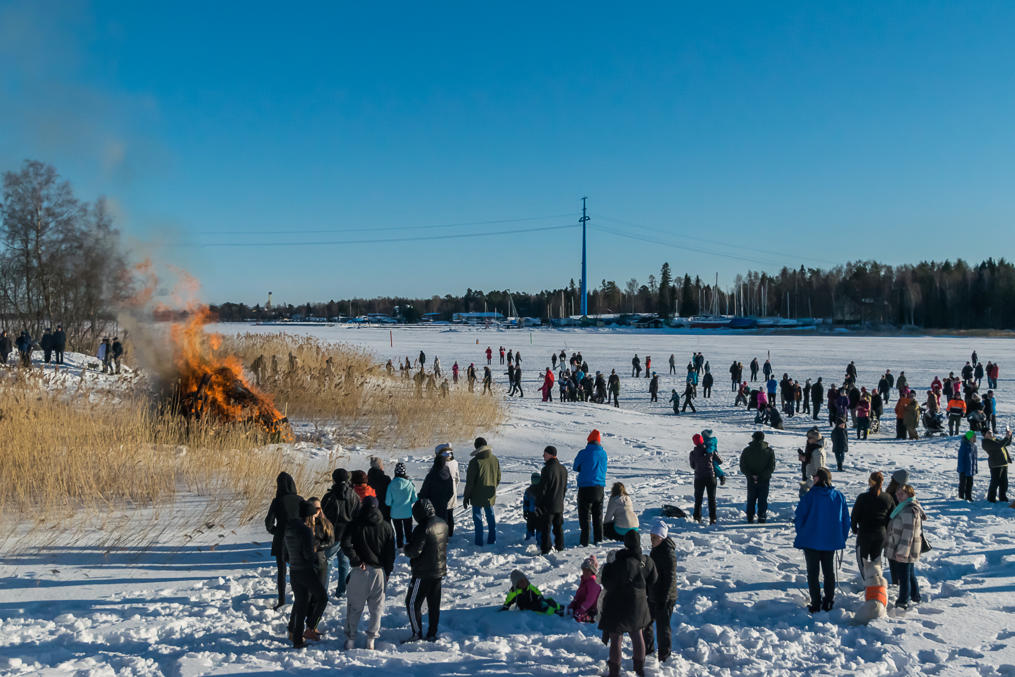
(211, 385)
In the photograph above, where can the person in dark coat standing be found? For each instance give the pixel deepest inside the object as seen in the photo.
(371, 551)
(59, 343)
(427, 551)
(868, 520)
(46, 343)
(284, 507)
(704, 478)
(340, 505)
(309, 596)
(550, 500)
(817, 396)
(438, 487)
(626, 581)
(379, 481)
(998, 459)
(5, 347)
(757, 463)
(663, 594)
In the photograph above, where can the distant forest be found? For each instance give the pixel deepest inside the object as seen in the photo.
(949, 295)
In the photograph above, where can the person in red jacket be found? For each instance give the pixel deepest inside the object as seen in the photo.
(489, 355)
(547, 387)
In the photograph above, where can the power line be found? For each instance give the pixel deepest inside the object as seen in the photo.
(697, 250)
(782, 255)
(326, 243)
(373, 229)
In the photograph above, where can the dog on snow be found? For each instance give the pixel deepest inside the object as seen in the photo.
(875, 595)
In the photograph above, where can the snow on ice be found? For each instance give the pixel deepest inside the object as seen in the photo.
(198, 602)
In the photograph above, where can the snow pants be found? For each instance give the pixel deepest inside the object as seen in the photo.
(366, 589)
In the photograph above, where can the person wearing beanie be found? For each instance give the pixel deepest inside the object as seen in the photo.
(822, 524)
(371, 551)
(360, 485)
(481, 480)
(448, 453)
(904, 543)
(757, 463)
(530, 507)
(584, 607)
(399, 499)
(626, 581)
(662, 596)
(340, 505)
(703, 464)
(967, 465)
(309, 594)
(550, 500)
(590, 464)
(528, 597)
(379, 481)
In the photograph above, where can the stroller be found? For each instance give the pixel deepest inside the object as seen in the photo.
(934, 423)
(875, 424)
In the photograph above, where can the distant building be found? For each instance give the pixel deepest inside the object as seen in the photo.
(477, 318)
(430, 317)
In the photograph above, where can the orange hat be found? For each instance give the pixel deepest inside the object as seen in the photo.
(595, 437)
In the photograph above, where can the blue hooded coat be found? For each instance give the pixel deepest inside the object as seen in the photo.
(822, 520)
(590, 464)
(967, 457)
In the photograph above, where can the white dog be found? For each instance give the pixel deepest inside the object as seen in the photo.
(875, 596)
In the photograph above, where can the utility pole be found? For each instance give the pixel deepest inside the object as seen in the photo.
(585, 290)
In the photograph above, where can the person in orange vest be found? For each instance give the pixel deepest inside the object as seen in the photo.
(956, 410)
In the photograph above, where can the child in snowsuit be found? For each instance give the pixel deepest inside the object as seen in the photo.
(583, 608)
(529, 507)
(712, 447)
(528, 597)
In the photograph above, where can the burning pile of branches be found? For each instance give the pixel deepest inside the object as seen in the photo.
(211, 385)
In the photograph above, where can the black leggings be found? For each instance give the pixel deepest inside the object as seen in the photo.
(280, 577)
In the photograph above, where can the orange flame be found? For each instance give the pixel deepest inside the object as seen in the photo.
(213, 384)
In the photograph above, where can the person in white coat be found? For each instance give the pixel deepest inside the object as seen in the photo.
(456, 477)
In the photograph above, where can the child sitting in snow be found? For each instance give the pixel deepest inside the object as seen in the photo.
(529, 508)
(712, 447)
(583, 608)
(528, 597)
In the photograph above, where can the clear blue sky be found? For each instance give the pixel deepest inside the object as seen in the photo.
(816, 132)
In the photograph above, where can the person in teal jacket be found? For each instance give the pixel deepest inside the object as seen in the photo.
(822, 525)
(400, 498)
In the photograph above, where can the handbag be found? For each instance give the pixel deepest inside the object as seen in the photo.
(924, 545)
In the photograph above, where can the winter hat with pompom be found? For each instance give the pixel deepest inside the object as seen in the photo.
(400, 470)
(591, 563)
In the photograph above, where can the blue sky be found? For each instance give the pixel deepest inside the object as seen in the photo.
(716, 136)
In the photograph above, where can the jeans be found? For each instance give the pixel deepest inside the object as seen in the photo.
(590, 509)
(491, 522)
(757, 494)
(826, 560)
(342, 570)
(909, 589)
(998, 488)
(700, 486)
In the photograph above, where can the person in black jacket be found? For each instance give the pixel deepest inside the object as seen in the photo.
(284, 507)
(869, 519)
(379, 481)
(371, 550)
(5, 347)
(626, 581)
(46, 343)
(427, 551)
(117, 348)
(438, 487)
(817, 397)
(59, 343)
(550, 500)
(340, 505)
(324, 539)
(309, 596)
(663, 594)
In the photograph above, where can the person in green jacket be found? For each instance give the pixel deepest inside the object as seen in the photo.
(481, 480)
(528, 598)
(757, 463)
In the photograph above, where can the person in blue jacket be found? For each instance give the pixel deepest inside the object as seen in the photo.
(773, 386)
(590, 464)
(822, 525)
(967, 465)
(400, 498)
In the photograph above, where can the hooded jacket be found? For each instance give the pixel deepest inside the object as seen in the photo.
(482, 478)
(583, 606)
(967, 457)
(903, 541)
(590, 464)
(998, 455)
(299, 545)
(427, 548)
(379, 481)
(822, 520)
(438, 488)
(626, 581)
(285, 506)
(400, 498)
(869, 519)
(664, 590)
(758, 459)
(371, 542)
(340, 505)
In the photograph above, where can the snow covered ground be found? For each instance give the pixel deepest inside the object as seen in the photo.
(199, 601)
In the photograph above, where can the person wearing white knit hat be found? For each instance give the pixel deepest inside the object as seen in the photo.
(663, 595)
(446, 450)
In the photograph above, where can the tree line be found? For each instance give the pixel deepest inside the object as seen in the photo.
(932, 295)
(61, 262)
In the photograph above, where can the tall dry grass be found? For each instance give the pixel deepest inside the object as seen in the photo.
(342, 385)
